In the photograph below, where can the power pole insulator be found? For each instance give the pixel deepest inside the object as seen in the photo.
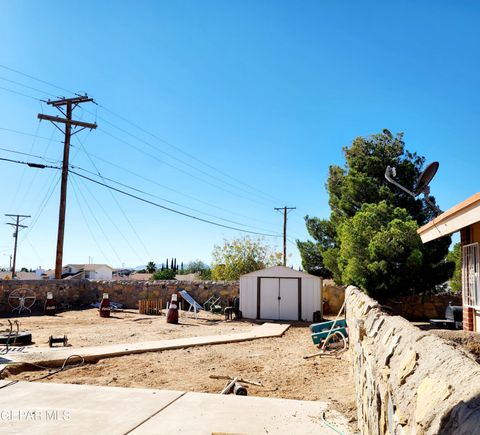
(70, 104)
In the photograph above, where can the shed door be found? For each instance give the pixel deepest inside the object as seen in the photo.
(279, 298)
(269, 302)
(288, 299)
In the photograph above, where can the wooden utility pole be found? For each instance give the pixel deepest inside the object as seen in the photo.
(70, 104)
(285, 212)
(15, 234)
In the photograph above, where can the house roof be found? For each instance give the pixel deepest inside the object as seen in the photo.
(280, 271)
(88, 266)
(454, 219)
(19, 275)
(141, 276)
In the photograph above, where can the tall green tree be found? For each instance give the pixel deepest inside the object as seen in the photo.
(243, 255)
(455, 256)
(349, 248)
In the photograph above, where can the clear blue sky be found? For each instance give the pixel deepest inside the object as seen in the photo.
(264, 92)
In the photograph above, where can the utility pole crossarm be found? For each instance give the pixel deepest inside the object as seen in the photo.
(74, 100)
(18, 226)
(41, 116)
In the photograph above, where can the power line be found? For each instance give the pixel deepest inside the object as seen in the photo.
(86, 223)
(36, 78)
(43, 203)
(111, 220)
(11, 130)
(185, 152)
(24, 169)
(156, 148)
(139, 198)
(153, 156)
(26, 86)
(20, 93)
(195, 198)
(29, 155)
(143, 199)
(262, 195)
(35, 175)
(171, 209)
(158, 197)
(31, 164)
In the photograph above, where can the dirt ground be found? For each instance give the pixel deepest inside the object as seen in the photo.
(277, 363)
(467, 341)
(86, 328)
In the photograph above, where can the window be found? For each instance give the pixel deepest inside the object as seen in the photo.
(470, 276)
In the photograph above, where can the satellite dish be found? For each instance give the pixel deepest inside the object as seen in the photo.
(425, 177)
(422, 183)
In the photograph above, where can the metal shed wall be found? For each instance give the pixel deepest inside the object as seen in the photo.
(310, 292)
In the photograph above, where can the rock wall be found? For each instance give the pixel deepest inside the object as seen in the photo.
(129, 292)
(334, 294)
(423, 307)
(83, 292)
(408, 381)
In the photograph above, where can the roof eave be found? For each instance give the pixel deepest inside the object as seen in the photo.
(460, 216)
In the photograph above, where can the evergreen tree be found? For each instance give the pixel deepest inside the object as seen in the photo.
(350, 252)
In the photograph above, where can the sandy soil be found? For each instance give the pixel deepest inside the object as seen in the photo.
(277, 363)
(467, 341)
(87, 328)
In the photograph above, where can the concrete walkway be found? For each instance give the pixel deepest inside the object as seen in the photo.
(57, 355)
(46, 408)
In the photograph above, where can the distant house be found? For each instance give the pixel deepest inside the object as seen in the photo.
(18, 275)
(138, 276)
(121, 274)
(87, 271)
(464, 217)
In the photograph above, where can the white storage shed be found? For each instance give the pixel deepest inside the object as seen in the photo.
(280, 293)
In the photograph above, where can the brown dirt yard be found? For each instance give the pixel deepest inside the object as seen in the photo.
(277, 363)
(464, 340)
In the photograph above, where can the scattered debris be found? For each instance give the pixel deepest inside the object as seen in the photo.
(234, 387)
(228, 388)
(52, 340)
(12, 338)
(244, 381)
(113, 305)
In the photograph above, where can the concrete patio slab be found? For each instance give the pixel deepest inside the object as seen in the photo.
(41, 408)
(56, 356)
(206, 414)
(45, 408)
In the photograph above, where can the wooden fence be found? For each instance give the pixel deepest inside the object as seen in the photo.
(150, 306)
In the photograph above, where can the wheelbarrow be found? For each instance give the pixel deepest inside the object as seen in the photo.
(330, 337)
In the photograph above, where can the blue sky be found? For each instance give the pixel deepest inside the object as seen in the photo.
(243, 106)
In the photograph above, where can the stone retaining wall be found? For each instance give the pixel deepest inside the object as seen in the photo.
(423, 307)
(408, 381)
(334, 294)
(84, 292)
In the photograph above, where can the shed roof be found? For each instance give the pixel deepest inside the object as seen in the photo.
(454, 219)
(280, 271)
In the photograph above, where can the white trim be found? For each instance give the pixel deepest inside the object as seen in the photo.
(471, 275)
